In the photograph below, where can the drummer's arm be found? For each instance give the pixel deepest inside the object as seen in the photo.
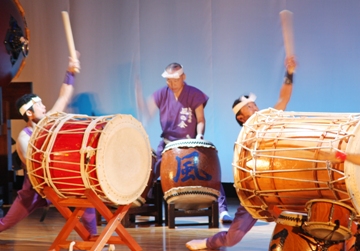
(146, 108)
(64, 98)
(286, 88)
(200, 118)
(351, 157)
(21, 146)
(151, 107)
(67, 88)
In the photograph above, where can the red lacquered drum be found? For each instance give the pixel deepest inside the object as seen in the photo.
(329, 220)
(140, 201)
(190, 174)
(14, 36)
(282, 159)
(109, 154)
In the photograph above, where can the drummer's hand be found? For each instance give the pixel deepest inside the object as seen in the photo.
(340, 156)
(290, 64)
(329, 156)
(74, 63)
(200, 136)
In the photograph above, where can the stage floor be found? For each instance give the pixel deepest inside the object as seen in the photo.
(33, 235)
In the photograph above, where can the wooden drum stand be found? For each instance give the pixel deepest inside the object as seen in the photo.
(93, 243)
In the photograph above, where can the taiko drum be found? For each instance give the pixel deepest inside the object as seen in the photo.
(110, 155)
(284, 159)
(190, 173)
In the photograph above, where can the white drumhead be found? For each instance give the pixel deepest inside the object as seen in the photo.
(123, 159)
(188, 143)
(352, 171)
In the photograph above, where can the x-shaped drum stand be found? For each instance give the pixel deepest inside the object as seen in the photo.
(93, 243)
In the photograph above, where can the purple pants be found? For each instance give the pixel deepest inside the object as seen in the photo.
(28, 200)
(242, 223)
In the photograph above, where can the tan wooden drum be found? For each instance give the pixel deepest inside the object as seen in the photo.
(14, 35)
(287, 237)
(329, 220)
(190, 174)
(111, 155)
(282, 159)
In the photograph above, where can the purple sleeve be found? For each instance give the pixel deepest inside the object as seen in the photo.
(198, 98)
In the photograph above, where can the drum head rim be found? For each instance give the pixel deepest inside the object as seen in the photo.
(309, 227)
(352, 171)
(310, 202)
(255, 212)
(290, 218)
(118, 123)
(186, 143)
(182, 197)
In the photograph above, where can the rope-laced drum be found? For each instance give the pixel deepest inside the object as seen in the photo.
(288, 235)
(190, 174)
(109, 154)
(329, 220)
(282, 159)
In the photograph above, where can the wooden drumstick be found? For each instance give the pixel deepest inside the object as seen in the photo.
(69, 36)
(287, 29)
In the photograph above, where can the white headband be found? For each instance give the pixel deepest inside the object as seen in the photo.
(29, 104)
(175, 74)
(244, 101)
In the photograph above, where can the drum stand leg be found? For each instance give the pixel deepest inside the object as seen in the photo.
(89, 242)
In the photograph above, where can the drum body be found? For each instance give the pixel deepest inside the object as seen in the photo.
(290, 238)
(282, 159)
(190, 174)
(13, 33)
(329, 220)
(70, 153)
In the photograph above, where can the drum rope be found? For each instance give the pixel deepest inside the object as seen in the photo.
(88, 151)
(272, 135)
(33, 172)
(57, 125)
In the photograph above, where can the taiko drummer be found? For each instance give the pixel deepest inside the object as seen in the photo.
(243, 108)
(181, 109)
(32, 110)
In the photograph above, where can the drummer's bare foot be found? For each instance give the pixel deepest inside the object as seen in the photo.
(196, 244)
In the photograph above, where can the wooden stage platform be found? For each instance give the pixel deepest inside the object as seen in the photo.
(33, 235)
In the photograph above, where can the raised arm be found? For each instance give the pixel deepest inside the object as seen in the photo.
(146, 108)
(67, 88)
(286, 88)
